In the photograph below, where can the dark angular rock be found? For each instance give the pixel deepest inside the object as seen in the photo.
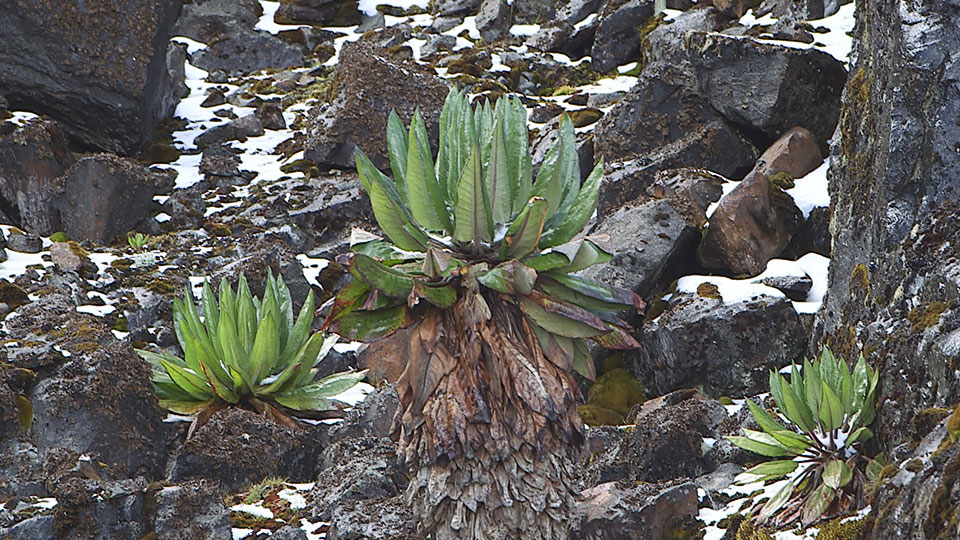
(664, 122)
(768, 88)
(289, 532)
(186, 208)
(733, 9)
(235, 130)
(89, 508)
(207, 20)
(918, 502)
(625, 511)
(494, 20)
(219, 160)
(617, 41)
(101, 73)
(813, 235)
(271, 116)
(32, 159)
(372, 417)
(102, 404)
(651, 240)
(36, 528)
(534, 11)
(104, 196)
(752, 224)
(356, 469)
(191, 511)
(374, 519)
(318, 12)
(456, 8)
(369, 85)
(664, 42)
(240, 50)
(795, 287)
(237, 448)
(23, 242)
(728, 349)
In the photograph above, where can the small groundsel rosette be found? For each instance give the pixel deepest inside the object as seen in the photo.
(476, 223)
(823, 411)
(242, 350)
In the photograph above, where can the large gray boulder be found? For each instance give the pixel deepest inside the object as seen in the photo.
(99, 68)
(728, 349)
(894, 283)
(651, 239)
(665, 122)
(618, 39)
(768, 88)
(32, 158)
(629, 510)
(369, 85)
(104, 196)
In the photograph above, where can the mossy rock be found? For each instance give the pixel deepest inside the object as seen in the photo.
(708, 290)
(750, 531)
(840, 529)
(616, 391)
(585, 117)
(598, 416)
(12, 295)
(926, 316)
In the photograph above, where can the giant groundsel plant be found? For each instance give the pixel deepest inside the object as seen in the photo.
(480, 269)
(823, 413)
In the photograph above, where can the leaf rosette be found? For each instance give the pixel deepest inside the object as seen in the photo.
(475, 225)
(240, 350)
(823, 414)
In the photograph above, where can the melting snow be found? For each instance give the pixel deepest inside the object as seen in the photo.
(253, 509)
(811, 191)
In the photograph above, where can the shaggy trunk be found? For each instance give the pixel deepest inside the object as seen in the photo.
(490, 428)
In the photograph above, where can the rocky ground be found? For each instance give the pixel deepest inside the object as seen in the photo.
(771, 184)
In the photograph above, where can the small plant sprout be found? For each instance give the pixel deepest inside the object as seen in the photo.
(248, 352)
(138, 241)
(823, 413)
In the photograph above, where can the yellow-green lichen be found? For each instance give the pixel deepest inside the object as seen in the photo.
(926, 316)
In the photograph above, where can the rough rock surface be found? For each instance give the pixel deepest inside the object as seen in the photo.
(664, 122)
(191, 511)
(102, 404)
(370, 85)
(893, 285)
(617, 40)
(104, 196)
(768, 88)
(318, 12)
(98, 68)
(239, 50)
(374, 519)
(726, 348)
(651, 242)
(625, 511)
(237, 448)
(357, 469)
(796, 153)
(32, 158)
(751, 225)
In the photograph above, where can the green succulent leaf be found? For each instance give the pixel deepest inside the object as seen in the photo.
(760, 443)
(831, 410)
(561, 319)
(766, 421)
(779, 499)
(380, 276)
(397, 145)
(371, 325)
(776, 468)
(472, 219)
(388, 208)
(579, 212)
(524, 235)
(817, 504)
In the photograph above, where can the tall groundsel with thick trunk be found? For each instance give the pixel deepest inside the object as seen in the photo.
(481, 266)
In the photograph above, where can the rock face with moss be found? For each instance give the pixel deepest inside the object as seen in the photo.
(894, 288)
(366, 87)
(99, 66)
